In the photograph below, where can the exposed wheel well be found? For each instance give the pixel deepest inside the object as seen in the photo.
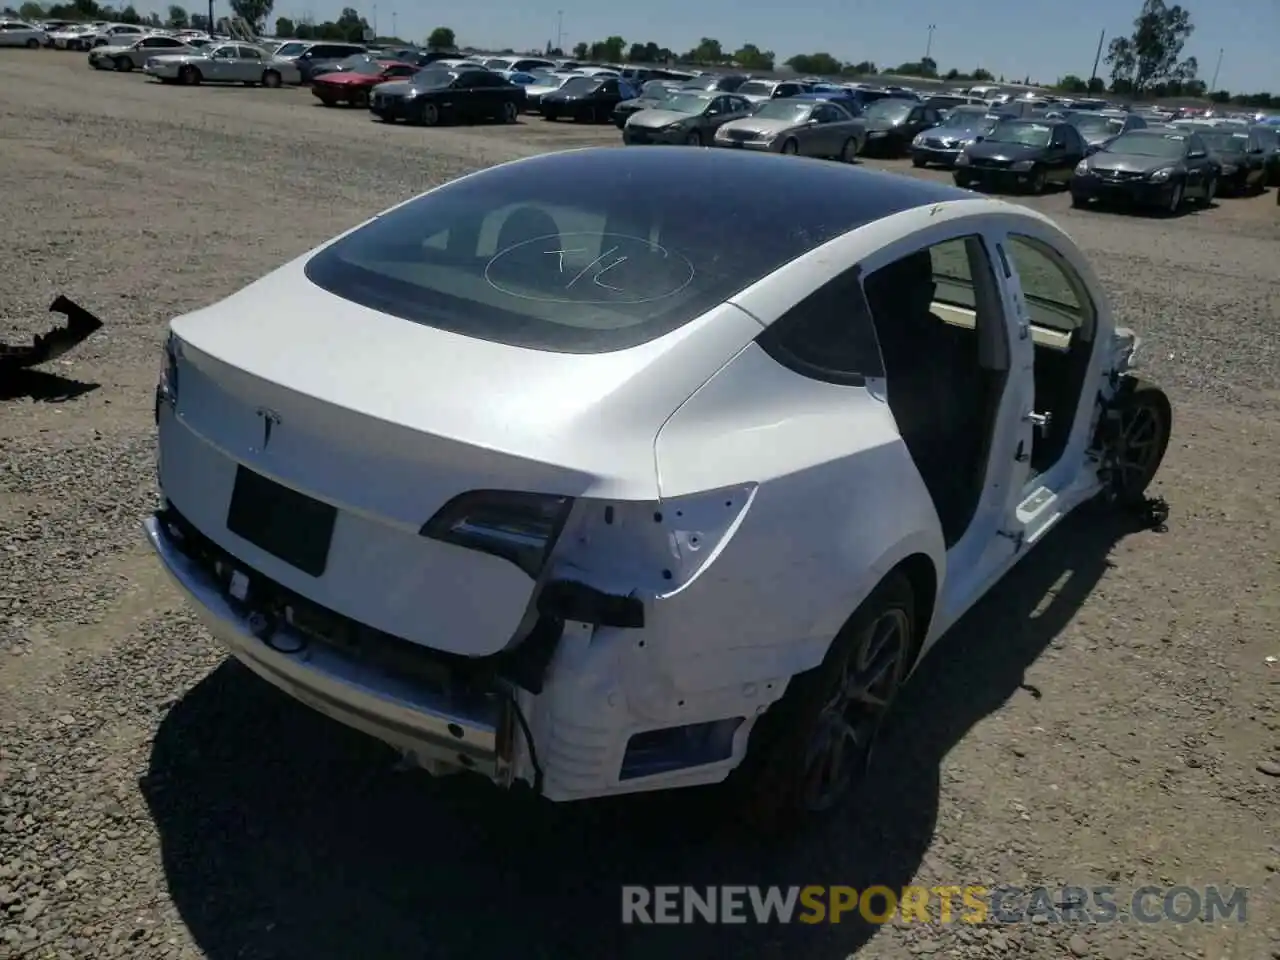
(922, 576)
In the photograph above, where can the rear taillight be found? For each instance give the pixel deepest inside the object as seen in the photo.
(519, 527)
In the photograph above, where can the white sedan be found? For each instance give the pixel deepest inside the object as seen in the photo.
(18, 33)
(617, 490)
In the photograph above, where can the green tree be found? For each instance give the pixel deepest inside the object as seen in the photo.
(1097, 85)
(982, 76)
(823, 64)
(1072, 84)
(708, 51)
(30, 11)
(609, 49)
(252, 12)
(178, 18)
(751, 57)
(200, 21)
(284, 27)
(1151, 54)
(580, 50)
(130, 15)
(443, 38)
(863, 68)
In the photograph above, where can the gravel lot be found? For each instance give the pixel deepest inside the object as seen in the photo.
(1107, 716)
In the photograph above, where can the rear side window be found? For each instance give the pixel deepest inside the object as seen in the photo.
(578, 255)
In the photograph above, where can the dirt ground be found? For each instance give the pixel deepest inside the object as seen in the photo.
(1106, 716)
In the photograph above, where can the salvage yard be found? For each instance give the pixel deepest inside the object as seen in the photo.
(1108, 716)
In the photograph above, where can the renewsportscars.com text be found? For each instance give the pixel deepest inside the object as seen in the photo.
(943, 904)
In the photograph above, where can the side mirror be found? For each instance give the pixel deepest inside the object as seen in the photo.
(1196, 155)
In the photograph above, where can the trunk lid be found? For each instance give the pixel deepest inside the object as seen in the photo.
(387, 420)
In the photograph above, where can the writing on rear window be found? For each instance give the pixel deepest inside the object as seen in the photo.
(565, 268)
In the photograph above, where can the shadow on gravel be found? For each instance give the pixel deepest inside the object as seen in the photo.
(41, 387)
(286, 835)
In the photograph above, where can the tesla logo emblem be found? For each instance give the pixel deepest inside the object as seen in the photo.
(269, 420)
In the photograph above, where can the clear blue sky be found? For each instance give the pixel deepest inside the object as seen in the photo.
(1010, 37)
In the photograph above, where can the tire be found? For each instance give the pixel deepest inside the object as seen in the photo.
(1210, 192)
(791, 148)
(189, 76)
(694, 139)
(271, 79)
(1039, 181)
(918, 162)
(428, 115)
(360, 99)
(510, 113)
(1078, 201)
(1175, 200)
(849, 152)
(329, 101)
(33, 44)
(780, 784)
(962, 181)
(1135, 436)
(123, 64)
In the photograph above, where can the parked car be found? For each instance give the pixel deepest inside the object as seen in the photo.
(518, 64)
(1097, 128)
(943, 144)
(313, 59)
(717, 82)
(118, 34)
(353, 86)
(651, 95)
(1241, 157)
(1148, 167)
(577, 574)
(135, 55)
(589, 99)
(543, 84)
(1269, 136)
(433, 96)
(1021, 154)
(809, 128)
(19, 33)
(893, 123)
(841, 96)
(758, 91)
(73, 38)
(224, 63)
(691, 118)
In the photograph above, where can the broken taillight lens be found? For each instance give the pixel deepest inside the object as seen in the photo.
(167, 387)
(516, 526)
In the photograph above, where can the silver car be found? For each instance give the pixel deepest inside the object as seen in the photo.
(762, 91)
(225, 63)
(691, 118)
(543, 84)
(810, 128)
(135, 55)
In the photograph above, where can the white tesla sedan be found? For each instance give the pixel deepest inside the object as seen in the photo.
(611, 471)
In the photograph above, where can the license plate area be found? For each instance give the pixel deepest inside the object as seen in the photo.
(286, 524)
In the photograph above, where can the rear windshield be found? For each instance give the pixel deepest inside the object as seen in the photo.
(576, 255)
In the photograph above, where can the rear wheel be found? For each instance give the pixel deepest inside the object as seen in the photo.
(33, 44)
(271, 79)
(1038, 181)
(1078, 201)
(123, 64)
(189, 75)
(1210, 191)
(918, 161)
(694, 139)
(791, 147)
(510, 112)
(963, 181)
(849, 152)
(1175, 200)
(360, 99)
(812, 748)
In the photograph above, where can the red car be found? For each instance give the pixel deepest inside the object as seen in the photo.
(352, 86)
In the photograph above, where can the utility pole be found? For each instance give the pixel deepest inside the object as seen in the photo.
(395, 31)
(211, 17)
(375, 20)
(1097, 57)
(1213, 84)
(560, 30)
(928, 47)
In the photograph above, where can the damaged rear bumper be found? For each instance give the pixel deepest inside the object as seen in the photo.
(441, 728)
(80, 325)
